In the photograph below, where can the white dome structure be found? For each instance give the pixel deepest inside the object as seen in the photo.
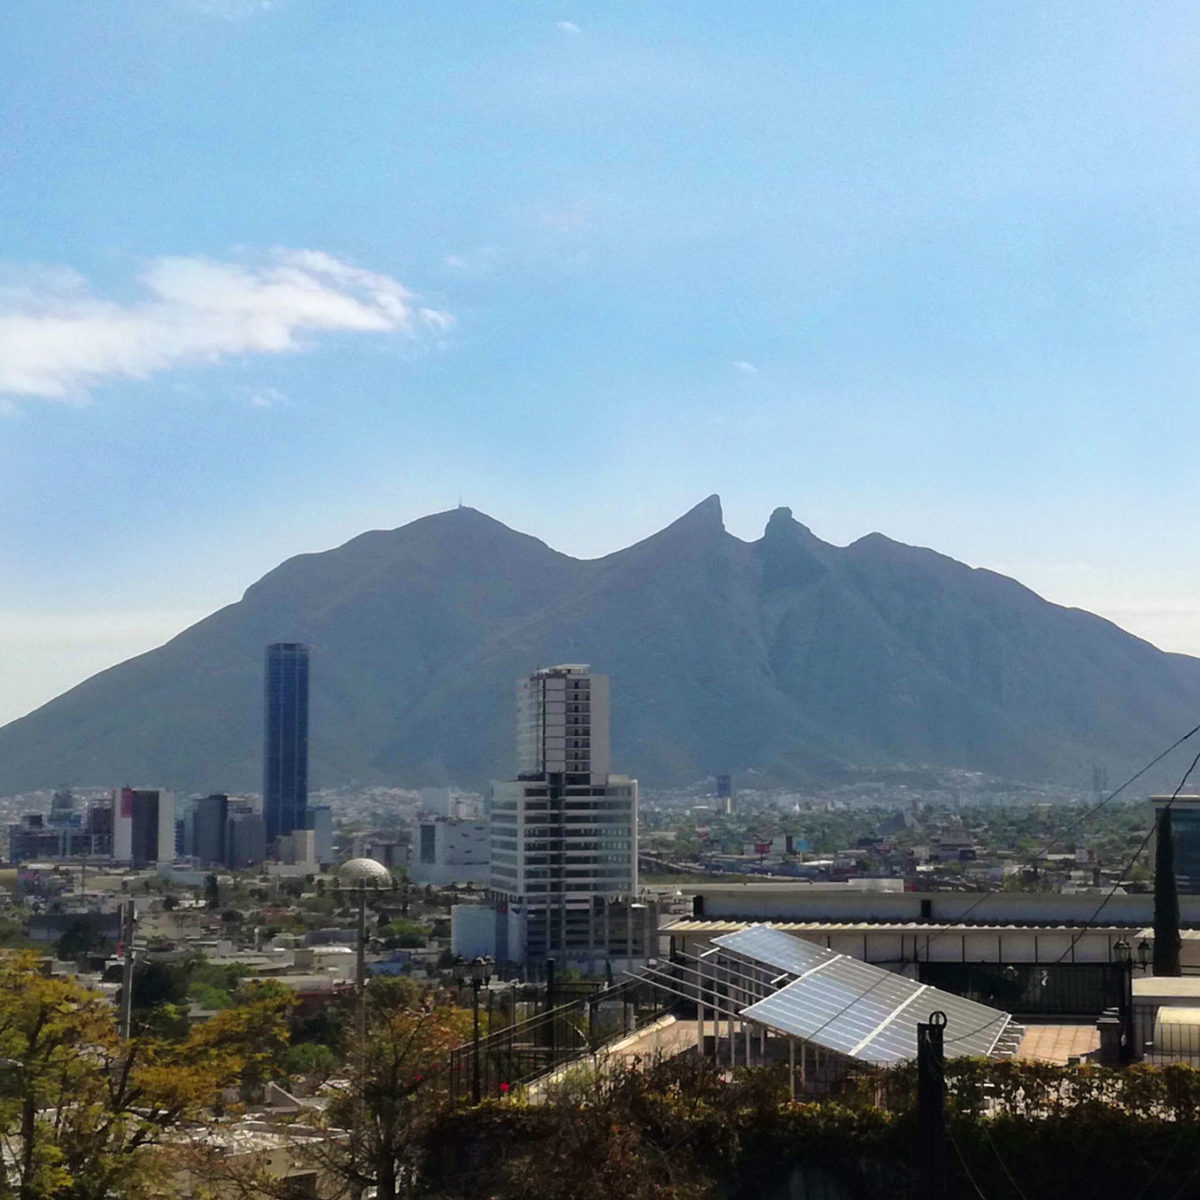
(365, 872)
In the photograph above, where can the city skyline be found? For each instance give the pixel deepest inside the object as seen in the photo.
(279, 273)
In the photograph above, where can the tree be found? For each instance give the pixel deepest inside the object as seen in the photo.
(1167, 942)
(80, 938)
(316, 1063)
(79, 1106)
(212, 892)
(399, 1087)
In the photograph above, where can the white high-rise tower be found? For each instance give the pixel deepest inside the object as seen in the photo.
(564, 832)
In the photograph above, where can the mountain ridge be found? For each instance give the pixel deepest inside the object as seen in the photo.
(785, 655)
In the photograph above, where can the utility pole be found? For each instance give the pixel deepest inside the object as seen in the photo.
(128, 922)
(931, 1108)
(550, 1006)
(360, 973)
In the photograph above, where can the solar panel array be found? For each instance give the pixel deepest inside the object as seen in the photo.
(775, 948)
(857, 1009)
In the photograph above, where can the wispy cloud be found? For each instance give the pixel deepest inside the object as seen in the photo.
(566, 26)
(746, 368)
(232, 10)
(57, 338)
(267, 398)
(565, 218)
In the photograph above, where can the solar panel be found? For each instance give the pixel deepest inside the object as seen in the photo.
(842, 1008)
(971, 1028)
(775, 948)
(854, 1008)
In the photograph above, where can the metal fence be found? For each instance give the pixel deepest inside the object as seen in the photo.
(524, 1050)
(1033, 989)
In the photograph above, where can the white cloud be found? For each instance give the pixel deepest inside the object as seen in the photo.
(746, 368)
(268, 398)
(566, 26)
(57, 338)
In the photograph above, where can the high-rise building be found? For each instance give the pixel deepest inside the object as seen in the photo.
(144, 826)
(207, 829)
(247, 840)
(285, 739)
(563, 834)
(320, 821)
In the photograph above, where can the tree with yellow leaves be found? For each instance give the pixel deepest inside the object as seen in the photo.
(78, 1105)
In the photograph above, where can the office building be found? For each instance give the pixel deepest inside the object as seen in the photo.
(285, 739)
(297, 849)
(144, 826)
(65, 833)
(320, 821)
(442, 802)
(563, 834)
(207, 837)
(247, 836)
(446, 850)
(62, 807)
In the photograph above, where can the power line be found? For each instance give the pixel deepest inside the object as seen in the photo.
(988, 895)
(963, 1163)
(1112, 891)
(1087, 816)
(1130, 865)
(983, 1124)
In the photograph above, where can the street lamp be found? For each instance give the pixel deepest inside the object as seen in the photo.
(1123, 953)
(478, 973)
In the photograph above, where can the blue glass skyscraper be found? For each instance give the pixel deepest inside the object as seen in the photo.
(285, 739)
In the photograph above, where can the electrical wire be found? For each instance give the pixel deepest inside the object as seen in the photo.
(1087, 816)
(988, 895)
(963, 1163)
(1112, 891)
(983, 1124)
(1132, 862)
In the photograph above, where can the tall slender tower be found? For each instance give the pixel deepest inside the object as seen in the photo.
(285, 739)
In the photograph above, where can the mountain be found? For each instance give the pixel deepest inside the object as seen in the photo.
(787, 655)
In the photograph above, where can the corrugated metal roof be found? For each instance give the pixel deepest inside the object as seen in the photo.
(713, 927)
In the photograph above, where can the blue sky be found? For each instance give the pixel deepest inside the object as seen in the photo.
(273, 272)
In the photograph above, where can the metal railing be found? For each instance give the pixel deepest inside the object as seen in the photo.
(524, 1050)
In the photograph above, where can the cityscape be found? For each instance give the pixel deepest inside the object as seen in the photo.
(596, 603)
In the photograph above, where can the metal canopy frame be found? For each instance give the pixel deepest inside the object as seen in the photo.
(841, 1012)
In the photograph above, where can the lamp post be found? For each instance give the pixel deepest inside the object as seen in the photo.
(478, 973)
(1123, 953)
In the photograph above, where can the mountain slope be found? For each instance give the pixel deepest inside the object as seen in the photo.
(786, 655)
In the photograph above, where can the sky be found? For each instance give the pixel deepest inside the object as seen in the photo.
(275, 272)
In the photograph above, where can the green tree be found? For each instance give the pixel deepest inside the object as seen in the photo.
(311, 1060)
